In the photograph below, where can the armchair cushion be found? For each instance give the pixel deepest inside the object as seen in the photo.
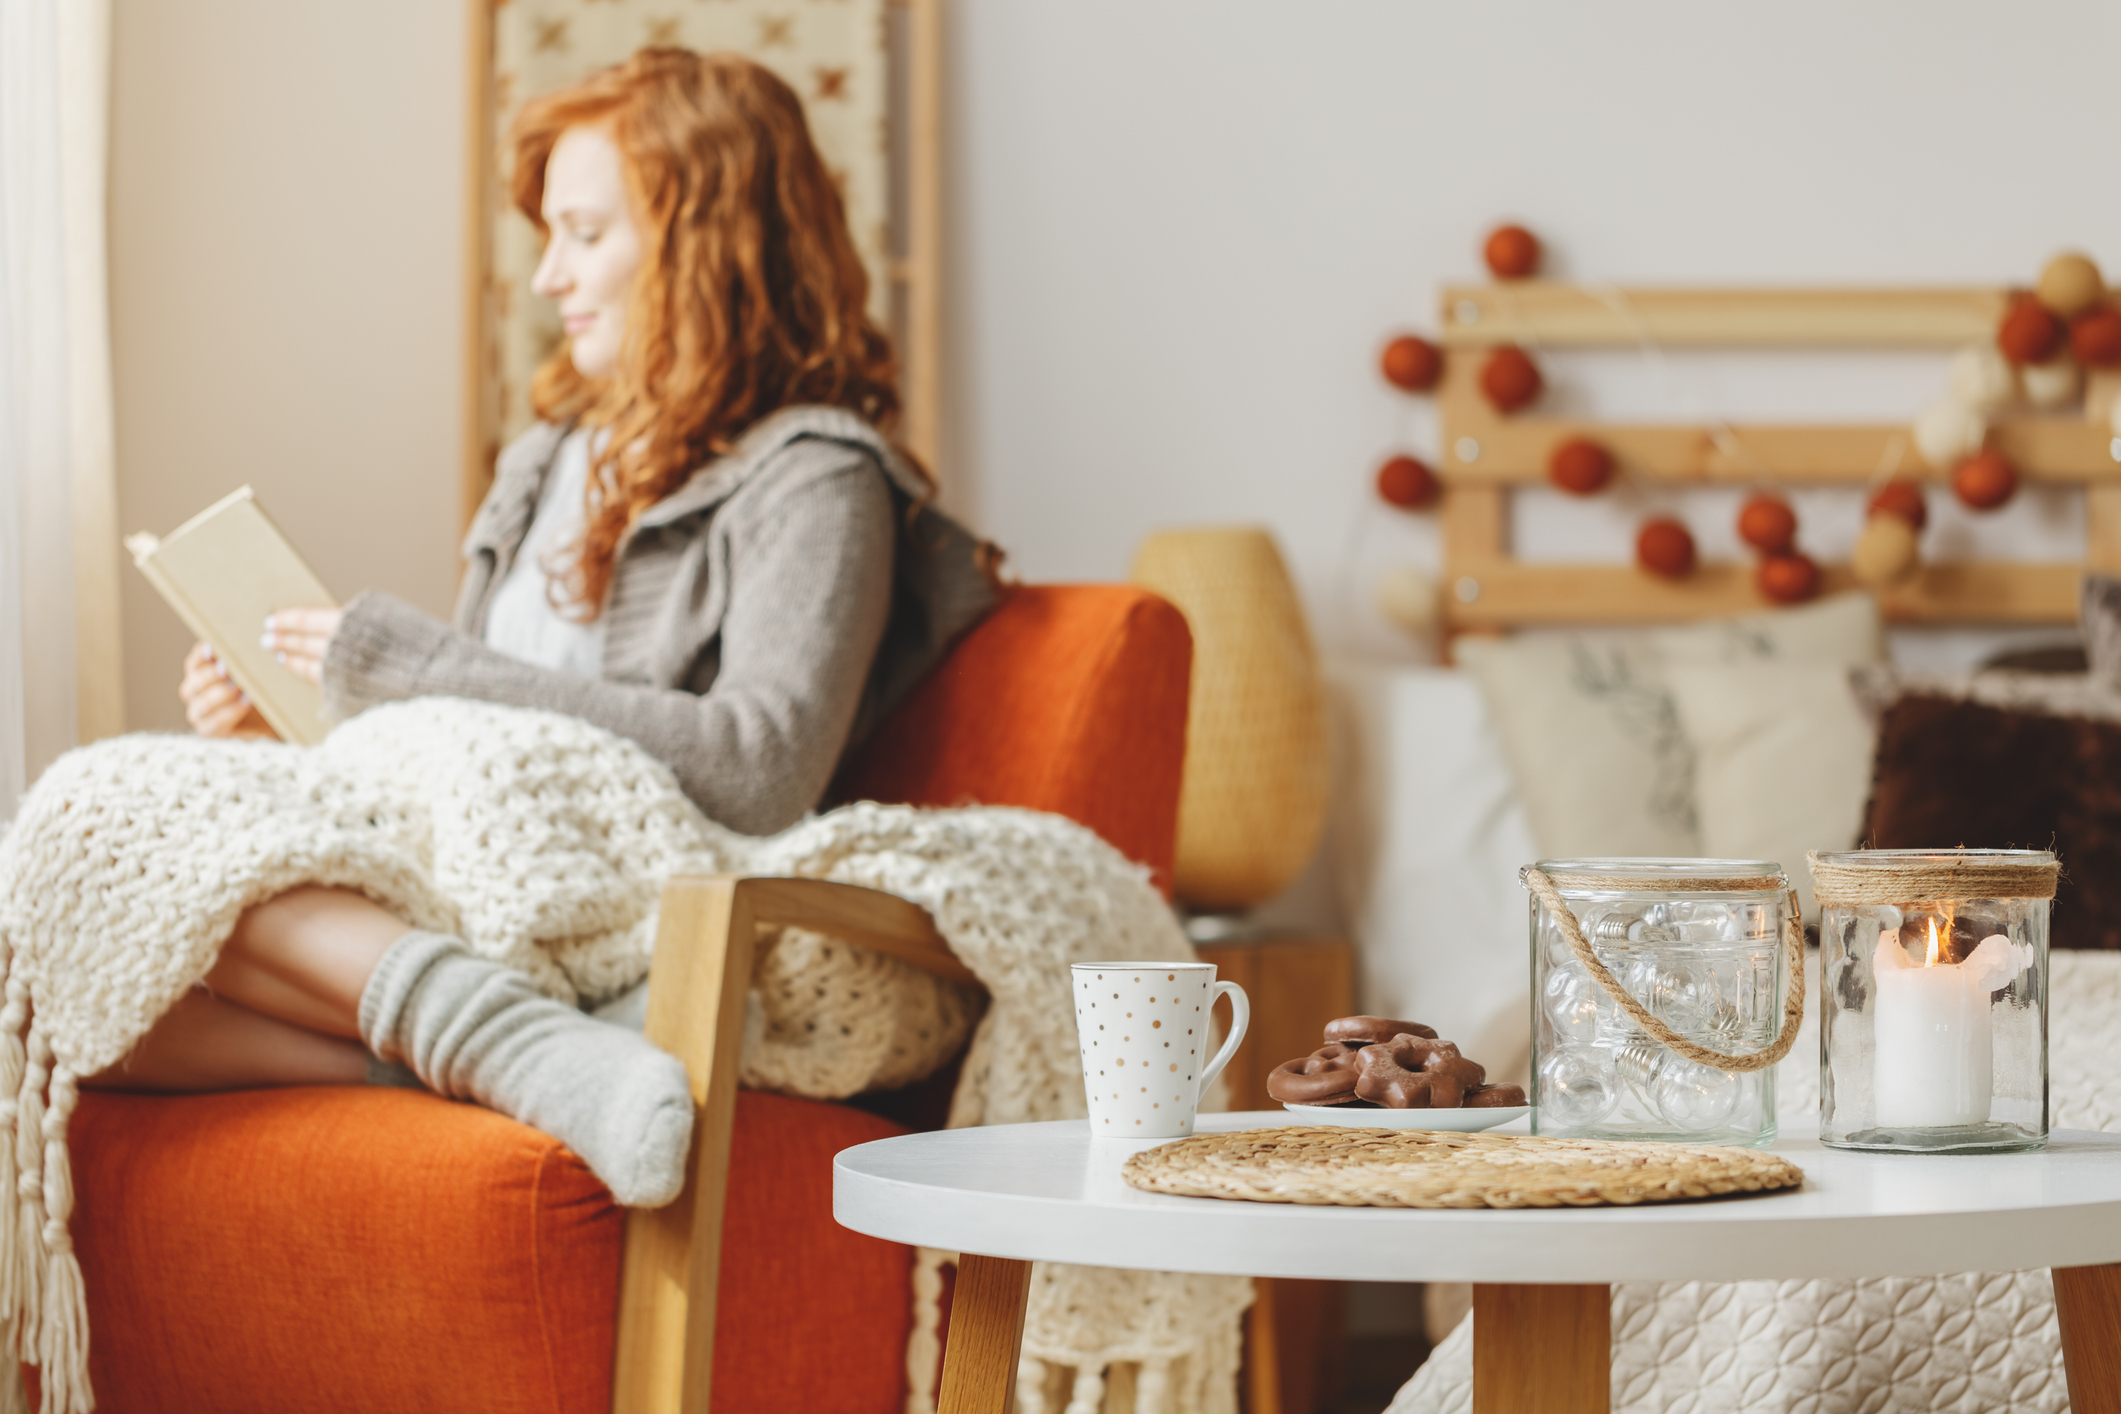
(1067, 698)
(224, 1235)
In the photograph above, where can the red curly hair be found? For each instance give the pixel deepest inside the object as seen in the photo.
(750, 296)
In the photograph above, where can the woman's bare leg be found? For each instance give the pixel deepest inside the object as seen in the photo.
(305, 956)
(281, 1005)
(205, 1043)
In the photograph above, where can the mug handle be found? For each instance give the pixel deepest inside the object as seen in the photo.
(1240, 1019)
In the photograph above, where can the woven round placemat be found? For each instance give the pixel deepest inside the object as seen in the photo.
(1384, 1168)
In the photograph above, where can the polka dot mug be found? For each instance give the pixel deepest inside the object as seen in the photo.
(1144, 1030)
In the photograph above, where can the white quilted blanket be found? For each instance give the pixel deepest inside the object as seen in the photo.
(1901, 1345)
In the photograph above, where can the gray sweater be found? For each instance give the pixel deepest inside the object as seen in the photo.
(761, 618)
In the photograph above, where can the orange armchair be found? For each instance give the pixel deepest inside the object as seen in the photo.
(378, 1249)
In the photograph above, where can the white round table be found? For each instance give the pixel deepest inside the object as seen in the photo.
(1008, 1195)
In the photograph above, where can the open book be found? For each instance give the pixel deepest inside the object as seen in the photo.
(223, 571)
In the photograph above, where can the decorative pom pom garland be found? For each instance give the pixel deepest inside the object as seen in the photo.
(1665, 548)
(1511, 252)
(1509, 380)
(1411, 364)
(2070, 284)
(1947, 431)
(1407, 482)
(1789, 578)
(1767, 524)
(1981, 378)
(2029, 333)
(2053, 383)
(1886, 552)
(2047, 343)
(1580, 466)
(2095, 338)
(1902, 499)
(1985, 480)
(1407, 597)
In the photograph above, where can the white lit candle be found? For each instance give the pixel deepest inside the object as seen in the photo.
(1934, 1047)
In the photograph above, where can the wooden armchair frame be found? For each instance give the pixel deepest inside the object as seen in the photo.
(706, 943)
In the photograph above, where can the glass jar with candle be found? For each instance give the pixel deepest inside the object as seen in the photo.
(1933, 1031)
(1658, 1008)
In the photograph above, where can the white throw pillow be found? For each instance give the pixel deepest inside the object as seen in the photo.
(1592, 734)
(1782, 760)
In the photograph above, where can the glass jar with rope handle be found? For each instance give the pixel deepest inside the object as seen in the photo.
(1658, 997)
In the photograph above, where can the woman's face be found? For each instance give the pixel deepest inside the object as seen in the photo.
(593, 248)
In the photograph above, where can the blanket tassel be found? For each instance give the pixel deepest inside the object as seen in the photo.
(14, 1021)
(62, 1338)
(14, 1059)
(27, 1262)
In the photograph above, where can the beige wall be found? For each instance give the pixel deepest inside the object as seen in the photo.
(286, 216)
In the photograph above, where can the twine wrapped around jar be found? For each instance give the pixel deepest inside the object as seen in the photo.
(1906, 876)
(1546, 889)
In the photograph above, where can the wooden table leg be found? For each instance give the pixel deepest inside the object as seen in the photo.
(986, 1336)
(2088, 1307)
(1544, 1348)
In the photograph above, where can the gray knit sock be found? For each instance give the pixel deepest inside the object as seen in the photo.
(391, 1075)
(472, 1029)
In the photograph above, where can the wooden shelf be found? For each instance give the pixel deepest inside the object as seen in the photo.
(1514, 451)
(1556, 315)
(1511, 452)
(1510, 594)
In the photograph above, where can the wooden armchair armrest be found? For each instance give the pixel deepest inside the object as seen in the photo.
(706, 942)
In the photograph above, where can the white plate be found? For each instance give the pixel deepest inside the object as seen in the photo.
(1458, 1121)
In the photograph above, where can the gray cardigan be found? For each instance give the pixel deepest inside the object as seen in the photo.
(761, 618)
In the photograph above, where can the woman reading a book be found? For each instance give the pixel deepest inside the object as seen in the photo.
(707, 545)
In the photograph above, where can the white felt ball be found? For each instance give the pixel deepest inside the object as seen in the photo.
(1981, 377)
(1885, 552)
(1407, 597)
(1948, 432)
(2050, 384)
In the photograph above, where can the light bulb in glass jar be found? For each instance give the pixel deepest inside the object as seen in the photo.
(1572, 1005)
(1575, 1087)
(1691, 1096)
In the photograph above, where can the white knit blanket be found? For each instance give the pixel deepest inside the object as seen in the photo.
(1972, 1344)
(544, 843)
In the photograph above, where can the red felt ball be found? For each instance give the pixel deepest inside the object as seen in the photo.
(1509, 379)
(1580, 466)
(1767, 524)
(1407, 483)
(1985, 480)
(1789, 578)
(1412, 364)
(1902, 499)
(2029, 333)
(1665, 547)
(1512, 252)
(2095, 337)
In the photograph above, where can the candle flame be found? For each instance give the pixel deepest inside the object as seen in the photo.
(1933, 945)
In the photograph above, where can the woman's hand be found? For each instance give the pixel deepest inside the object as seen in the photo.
(300, 638)
(214, 705)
